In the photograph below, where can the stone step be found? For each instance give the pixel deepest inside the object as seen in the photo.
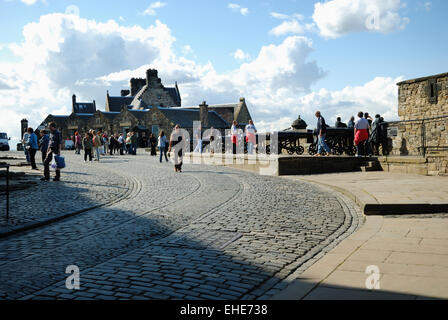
(369, 166)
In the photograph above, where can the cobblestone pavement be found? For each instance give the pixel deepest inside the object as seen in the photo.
(50, 200)
(208, 233)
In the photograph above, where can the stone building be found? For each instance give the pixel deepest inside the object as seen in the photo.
(423, 127)
(147, 107)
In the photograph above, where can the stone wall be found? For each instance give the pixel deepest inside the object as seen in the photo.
(423, 129)
(156, 94)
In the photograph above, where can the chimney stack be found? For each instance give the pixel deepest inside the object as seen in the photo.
(24, 125)
(203, 114)
(125, 93)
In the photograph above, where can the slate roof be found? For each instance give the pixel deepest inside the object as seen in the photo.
(215, 106)
(174, 93)
(110, 115)
(84, 107)
(115, 103)
(137, 103)
(185, 117)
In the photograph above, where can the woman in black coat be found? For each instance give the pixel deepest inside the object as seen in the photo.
(153, 144)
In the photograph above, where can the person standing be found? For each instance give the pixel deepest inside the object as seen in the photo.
(106, 144)
(162, 145)
(78, 143)
(321, 132)
(361, 134)
(351, 123)
(197, 134)
(153, 144)
(235, 135)
(25, 138)
(121, 144)
(54, 148)
(251, 138)
(32, 147)
(367, 145)
(96, 145)
(376, 135)
(43, 143)
(87, 147)
(177, 142)
(134, 141)
(128, 143)
(112, 144)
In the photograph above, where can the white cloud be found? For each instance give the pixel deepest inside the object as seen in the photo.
(339, 17)
(287, 27)
(428, 6)
(237, 7)
(151, 10)
(292, 24)
(281, 16)
(29, 2)
(241, 55)
(187, 49)
(65, 54)
(379, 96)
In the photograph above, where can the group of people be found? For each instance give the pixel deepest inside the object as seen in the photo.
(368, 134)
(96, 144)
(50, 145)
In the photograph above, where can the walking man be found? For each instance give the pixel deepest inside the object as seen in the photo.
(321, 131)
(54, 148)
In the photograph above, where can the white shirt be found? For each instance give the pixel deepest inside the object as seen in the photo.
(162, 142)
(362, 123)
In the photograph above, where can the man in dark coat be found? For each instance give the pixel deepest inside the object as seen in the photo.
(54, 148)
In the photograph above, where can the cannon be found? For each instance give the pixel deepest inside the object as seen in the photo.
(340, 141)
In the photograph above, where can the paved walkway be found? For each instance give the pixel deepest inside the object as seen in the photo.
(208, 233)
(410, 251)
(388, 193)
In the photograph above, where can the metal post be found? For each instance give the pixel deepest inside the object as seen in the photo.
(423, 138)
(7, 193)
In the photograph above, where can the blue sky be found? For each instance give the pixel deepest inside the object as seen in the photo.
(286, 57)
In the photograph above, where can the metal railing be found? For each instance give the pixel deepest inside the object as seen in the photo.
(6, 166)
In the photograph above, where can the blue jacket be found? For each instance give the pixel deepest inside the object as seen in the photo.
(32, 141)
(44, 143)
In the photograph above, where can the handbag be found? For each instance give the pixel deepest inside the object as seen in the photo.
(60, 162)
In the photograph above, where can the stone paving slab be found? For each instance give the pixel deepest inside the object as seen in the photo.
(412, 264)
(384, 193)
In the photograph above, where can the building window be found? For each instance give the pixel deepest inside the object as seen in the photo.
(432, 91)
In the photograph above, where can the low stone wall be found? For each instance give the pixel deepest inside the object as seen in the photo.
(283, 165)
(435, 165)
